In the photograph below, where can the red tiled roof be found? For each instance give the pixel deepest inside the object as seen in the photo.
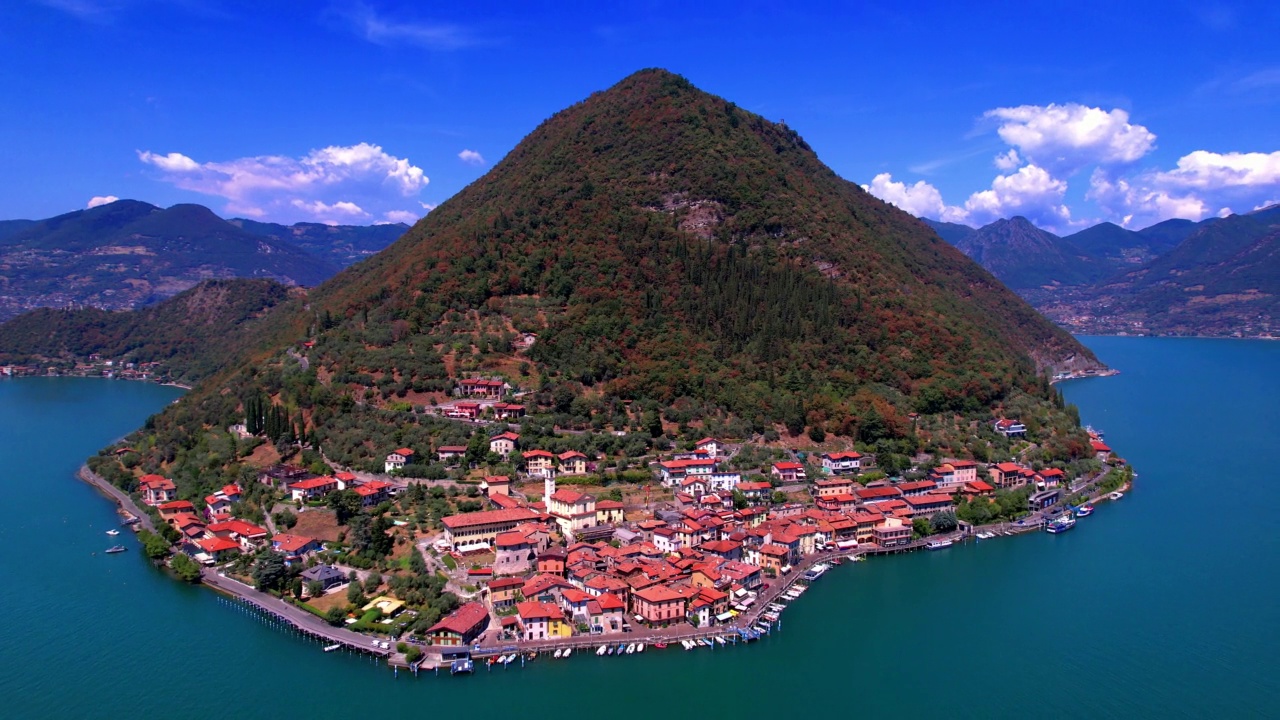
(609, 601)
(608, 505)
(484, 517)
(216, 544)
(537, 453)
(877, 492)
(842, 455)
(459, 449)
(787, 466)
(403, 451)
(505, 583)
(566, 496)
(533, 610)
(658, 594)
(705, 441)
(463, 620)
(177, 505)
(313, 483)
(687, 463)
(291, 543)
(979, 486)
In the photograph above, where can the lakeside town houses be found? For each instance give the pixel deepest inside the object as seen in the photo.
(541, 568)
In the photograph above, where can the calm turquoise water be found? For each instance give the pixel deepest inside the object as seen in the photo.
(1162, 605)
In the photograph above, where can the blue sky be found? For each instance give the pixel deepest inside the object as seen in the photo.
(362, 112)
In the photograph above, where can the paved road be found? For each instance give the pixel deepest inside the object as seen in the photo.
(122, 499)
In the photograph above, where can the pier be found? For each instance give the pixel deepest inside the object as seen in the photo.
(294, 618)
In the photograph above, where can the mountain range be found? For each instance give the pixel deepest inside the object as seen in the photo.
(128, 254)
(1215, 277)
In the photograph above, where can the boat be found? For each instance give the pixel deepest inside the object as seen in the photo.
(1116, 495)
(507, 659)
(639, 647)
(1060, 524)
(939, 544)
(533, 656)
(719, 639)
(609, 651)
(116, 549)
(113, 532)
(558, 653)
(660, 645)
(622, 647)
(461, 666)
(601, 650)
(631, 649)
(687, 645)
(567, 652)
(986, 535)
(331, 648)
(492, 660)
(1084, 511)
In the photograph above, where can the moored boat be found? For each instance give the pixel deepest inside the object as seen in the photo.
(661, 645)
(1084, 511)
(631, 648)
(939, 544)
(639, 647)
(567, 652)
(602, 650)
(116, 549)
(113, 532)
(461, 666)
(1116, 495)
(558, 653)
(1060, 524)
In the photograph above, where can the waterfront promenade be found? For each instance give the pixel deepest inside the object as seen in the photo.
(123, 501)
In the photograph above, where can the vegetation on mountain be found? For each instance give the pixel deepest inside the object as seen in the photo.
(193, 334)
(1121, 249)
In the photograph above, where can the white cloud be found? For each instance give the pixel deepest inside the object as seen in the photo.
(1201, 180)
(427, 206)
(327, 183)
(381, 30)
(400, 216)
(97, 200)
(920, 199)
(341, 207)
(1065, 138)
(1008, 161)
(1210, 170)
(173, 162)
(471, 157)
(1265, 204)
(1031, 192)
(1140, 205)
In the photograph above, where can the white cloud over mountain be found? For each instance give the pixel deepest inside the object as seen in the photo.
(97, 200)
(471, 157)
(1049, 144)
(335, 183)
(1066, 138)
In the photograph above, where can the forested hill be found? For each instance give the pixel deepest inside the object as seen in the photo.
(194, 334)
(666, 246)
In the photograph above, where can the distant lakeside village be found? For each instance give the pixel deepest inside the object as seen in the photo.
(704, 544)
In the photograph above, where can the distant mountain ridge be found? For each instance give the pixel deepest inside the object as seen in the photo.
(1218, 276)
(341, 245)
(129, 253)
(1024, 256)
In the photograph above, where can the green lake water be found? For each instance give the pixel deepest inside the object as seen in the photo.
(1165, 604)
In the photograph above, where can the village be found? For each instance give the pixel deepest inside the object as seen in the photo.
(539, 561)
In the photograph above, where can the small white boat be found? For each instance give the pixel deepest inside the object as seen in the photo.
(602, 650)
(719, 639)
(631, 648)
(1116, 495)
(640, 647)
(506, 659)
(687, 645)
(567, 652)
(938, 544)
(331, 648)
(558, 653)
(113, 532)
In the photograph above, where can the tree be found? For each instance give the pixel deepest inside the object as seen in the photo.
(335, 616)
(372, 583)
(944, 522)
(817, 434)
(154, 546)
(345, 504)
(269, 572)
(739, 500)
(315, 588)
(285, 519)
(185, 568)
(920, 527)
(355, 593)
(779, 497)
